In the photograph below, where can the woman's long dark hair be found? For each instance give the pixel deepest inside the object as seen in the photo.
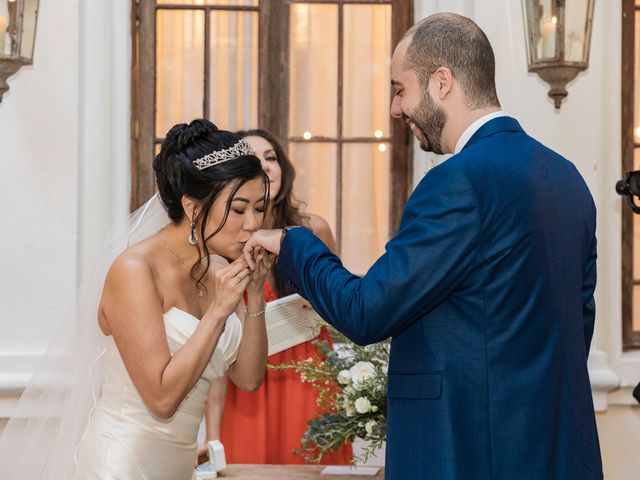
(285, 207)
(176, 175)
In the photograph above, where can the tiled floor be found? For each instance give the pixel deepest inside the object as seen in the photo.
(619, 430)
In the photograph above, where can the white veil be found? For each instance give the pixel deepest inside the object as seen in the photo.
(51, 417)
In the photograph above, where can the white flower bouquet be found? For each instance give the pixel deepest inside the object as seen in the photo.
(352, 396)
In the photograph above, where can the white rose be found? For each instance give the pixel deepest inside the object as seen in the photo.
(361, 372)
(369, 426)
(344, 377)
(363, 405)
(374, 409)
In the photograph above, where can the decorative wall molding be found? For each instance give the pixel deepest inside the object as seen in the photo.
(603, 379)
(627, 366)
(16, 369)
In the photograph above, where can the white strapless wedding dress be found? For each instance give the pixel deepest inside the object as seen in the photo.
(125, 441)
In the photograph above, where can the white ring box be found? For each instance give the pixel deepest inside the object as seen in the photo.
(217, 462)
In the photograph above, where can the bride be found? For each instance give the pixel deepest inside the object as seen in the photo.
(169, 321)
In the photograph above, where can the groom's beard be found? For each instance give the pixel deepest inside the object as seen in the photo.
(430, 120)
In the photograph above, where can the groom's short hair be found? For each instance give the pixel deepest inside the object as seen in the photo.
(456, 42)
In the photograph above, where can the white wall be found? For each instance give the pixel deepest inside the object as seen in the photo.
(39, 123)
(64, 135)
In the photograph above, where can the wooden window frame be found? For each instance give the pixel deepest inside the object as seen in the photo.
(630, 337)
(273, 90)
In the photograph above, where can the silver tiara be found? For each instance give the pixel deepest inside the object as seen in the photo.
(239, 149)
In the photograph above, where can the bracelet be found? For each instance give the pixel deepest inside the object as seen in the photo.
(253, 315)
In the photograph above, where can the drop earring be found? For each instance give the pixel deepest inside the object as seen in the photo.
(193, 240)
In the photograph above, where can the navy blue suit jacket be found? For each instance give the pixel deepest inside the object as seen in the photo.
(487, 293)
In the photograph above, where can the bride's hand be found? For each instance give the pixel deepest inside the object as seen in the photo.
(203, 454)
(230, 282)
(264, 261)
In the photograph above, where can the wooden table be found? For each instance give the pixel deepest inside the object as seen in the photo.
(288, 472)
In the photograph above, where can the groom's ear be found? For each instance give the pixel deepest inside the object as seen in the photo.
(443, 79)
(190, 207)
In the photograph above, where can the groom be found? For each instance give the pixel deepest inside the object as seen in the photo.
(487, 289)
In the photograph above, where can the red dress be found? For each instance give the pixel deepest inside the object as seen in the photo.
(266, 426)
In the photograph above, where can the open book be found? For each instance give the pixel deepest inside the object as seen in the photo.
(289, 323)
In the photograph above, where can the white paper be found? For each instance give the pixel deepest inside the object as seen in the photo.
(289, 324)
(347, 470)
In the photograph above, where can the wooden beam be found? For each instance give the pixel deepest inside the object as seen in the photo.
(144, 104)
(402, 152)
(630, 338)
(273, 68)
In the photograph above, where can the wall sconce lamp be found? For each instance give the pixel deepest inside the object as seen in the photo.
(17, 37)
(558, 35)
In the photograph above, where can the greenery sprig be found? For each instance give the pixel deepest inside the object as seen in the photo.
(351, 383)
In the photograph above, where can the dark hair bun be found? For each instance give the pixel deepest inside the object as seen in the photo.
(183, 135)
(176, 175)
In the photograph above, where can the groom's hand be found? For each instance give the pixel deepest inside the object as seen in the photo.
(267, 239)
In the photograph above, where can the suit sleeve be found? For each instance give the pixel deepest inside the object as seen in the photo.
(430, 256)
(588, 288)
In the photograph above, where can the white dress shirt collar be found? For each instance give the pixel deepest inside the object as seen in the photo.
(474, 127)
